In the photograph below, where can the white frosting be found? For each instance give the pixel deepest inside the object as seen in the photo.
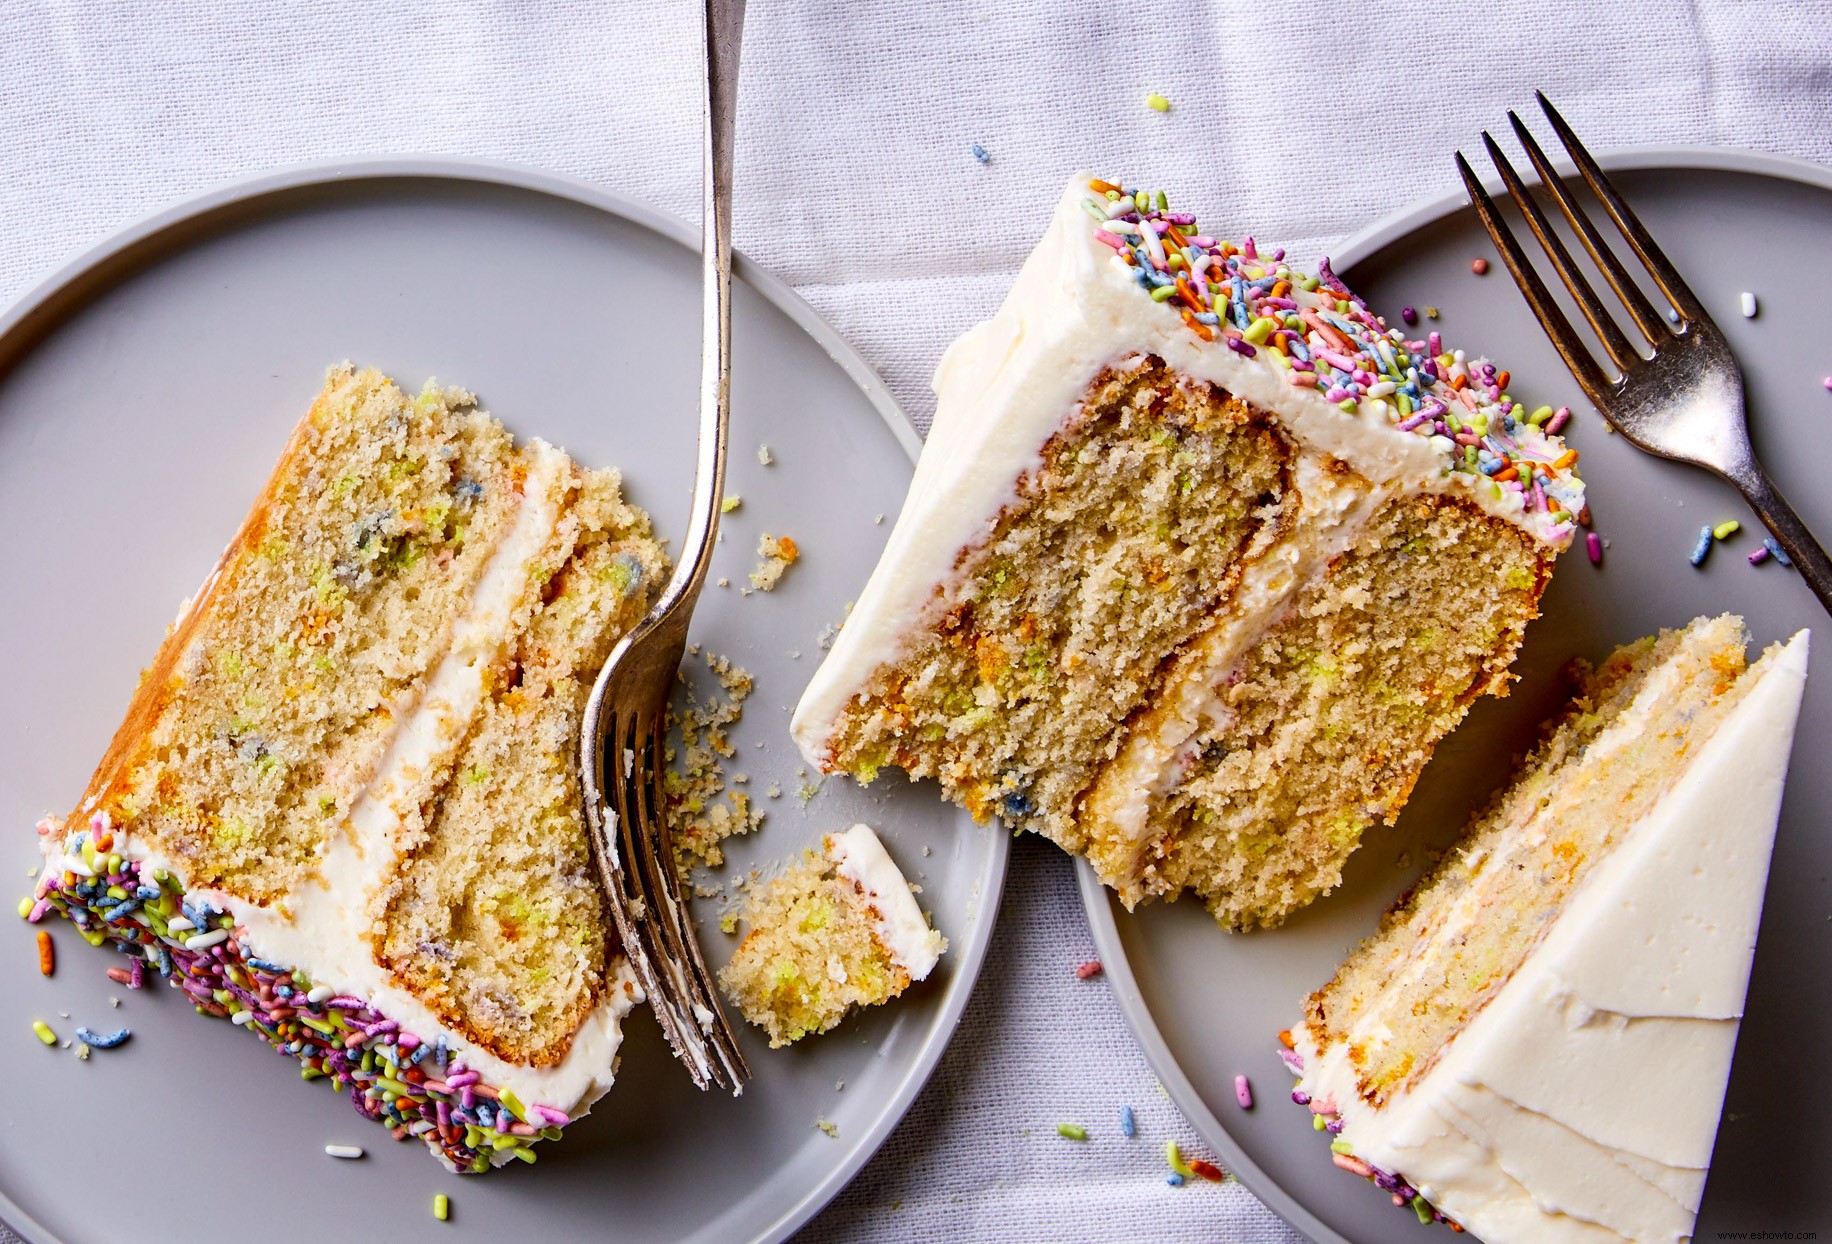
(323, 927)
(1009, 384)
(858, 856)
(1582, 1102)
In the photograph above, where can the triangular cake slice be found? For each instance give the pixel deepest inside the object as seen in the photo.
(1536, 1042)
(838, 931)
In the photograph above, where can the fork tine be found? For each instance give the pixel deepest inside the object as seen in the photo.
(1570, 346)
(1651, 256)
(634, 922)
(1652, 324)
(1614, 342)
(700, 977)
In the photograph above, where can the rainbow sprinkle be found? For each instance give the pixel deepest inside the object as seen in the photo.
(1323, 337)
(1325, 1118)
(413, 1087)
(1702, 549)
(103, 1040)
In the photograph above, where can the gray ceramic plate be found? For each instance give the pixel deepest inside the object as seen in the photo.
(144, 394)
(1207, 1005)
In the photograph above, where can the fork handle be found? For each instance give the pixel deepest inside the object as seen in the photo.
(1790, 533)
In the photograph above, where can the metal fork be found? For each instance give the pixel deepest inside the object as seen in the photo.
(1684, 400)
(626, 715)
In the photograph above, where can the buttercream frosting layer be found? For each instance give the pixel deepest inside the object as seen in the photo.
(897, 920)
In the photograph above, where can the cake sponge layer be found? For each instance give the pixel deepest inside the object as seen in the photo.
(265, 713)
(1054, 629)
(1319, 728)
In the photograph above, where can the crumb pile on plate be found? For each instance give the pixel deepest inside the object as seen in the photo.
(839, 930)
(1535, 1043)
(1200, 562)
(343, 808)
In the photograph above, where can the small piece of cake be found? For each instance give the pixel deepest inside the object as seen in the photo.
(838, 931)
(1200, 562)
(343, 809)
(1535, 1043)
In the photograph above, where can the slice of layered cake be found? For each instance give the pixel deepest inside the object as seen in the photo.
(838, 931)
(1200, 562)
(1535, 1043)
(343, 808)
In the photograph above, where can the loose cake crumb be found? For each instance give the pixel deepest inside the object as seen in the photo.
(778, 553)
(764, 455)
(699, 818)
(730, 504)
(827, 1127)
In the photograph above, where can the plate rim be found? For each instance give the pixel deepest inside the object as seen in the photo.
(1098, 902)
(138, 244)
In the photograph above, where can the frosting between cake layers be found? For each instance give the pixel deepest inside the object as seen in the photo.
(323, 927)
(1151, 762)
(858, 856)
(1554, 1115)
(1007, 385)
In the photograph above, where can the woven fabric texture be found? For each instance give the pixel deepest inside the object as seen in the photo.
(856, 183)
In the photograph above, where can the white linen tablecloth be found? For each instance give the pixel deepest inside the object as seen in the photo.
(1298, 121)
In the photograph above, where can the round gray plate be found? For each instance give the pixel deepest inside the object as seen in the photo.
(144, 394)
(1207, 1006)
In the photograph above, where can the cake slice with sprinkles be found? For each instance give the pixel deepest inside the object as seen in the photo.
(342, 810)
(1200, 562)
(839, 931)
(1535, 1043)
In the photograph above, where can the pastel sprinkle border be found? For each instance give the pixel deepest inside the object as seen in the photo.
(1325, 1118)
(413, 1087)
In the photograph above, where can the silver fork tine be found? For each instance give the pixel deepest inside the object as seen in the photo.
(1564, 336)
(1614, 342)
(1647, 319)
(1651, 256)
(680, 946)
(628, 909)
